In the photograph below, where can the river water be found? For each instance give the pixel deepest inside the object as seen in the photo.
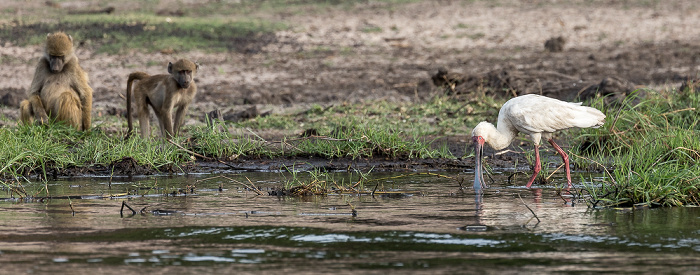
(427, 224)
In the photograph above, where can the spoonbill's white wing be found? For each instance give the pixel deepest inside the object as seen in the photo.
(539, 114)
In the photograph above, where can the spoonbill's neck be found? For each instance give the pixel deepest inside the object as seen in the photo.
(497, 138)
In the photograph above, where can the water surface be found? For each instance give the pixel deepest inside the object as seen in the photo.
(188, 225)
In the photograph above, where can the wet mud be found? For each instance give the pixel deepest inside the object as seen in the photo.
(128, 166)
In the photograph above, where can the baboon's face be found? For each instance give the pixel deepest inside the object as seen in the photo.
(184, 78)
(58, 51)
(56, 63)
(183, 72)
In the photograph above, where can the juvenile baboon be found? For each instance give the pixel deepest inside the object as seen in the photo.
(162, 92)
(60, 87)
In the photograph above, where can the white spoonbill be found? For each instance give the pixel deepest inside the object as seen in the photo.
(538, 117)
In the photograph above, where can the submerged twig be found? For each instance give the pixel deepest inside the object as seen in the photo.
(121, 212)
(513, 175)
(528, 208)
(573, 197)
(251, 186)
(460, 181)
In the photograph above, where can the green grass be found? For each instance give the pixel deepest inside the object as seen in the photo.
(116, 34)
(651, 149)
(213, 27)
(39, 149)
(348, 137)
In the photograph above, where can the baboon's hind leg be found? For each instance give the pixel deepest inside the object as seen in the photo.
(144, 121)
(69, 110)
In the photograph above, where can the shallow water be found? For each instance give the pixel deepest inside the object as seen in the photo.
(432, 227)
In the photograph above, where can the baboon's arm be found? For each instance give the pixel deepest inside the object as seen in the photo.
(40, 74)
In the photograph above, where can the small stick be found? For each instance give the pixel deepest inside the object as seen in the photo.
(198, 155)
(251, 131)
(188, 151)
(255, 188)
(528, 208)
(292, 146)
(552, 174)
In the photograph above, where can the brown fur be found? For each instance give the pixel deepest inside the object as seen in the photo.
(163, 93)
(60, 88)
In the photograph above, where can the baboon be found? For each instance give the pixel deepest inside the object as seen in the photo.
(162, 92)
(60, 88)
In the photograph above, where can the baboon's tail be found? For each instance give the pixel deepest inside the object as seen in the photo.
(132, 77)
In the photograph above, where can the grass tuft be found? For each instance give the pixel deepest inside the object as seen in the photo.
(653, 151)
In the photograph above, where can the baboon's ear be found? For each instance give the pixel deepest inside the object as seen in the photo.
(70, 38)
(170, 67)
(48, 34)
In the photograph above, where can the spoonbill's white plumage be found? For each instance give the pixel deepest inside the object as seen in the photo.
(538, 117)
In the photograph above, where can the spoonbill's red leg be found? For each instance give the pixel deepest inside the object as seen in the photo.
(538, 166)
(565, 158)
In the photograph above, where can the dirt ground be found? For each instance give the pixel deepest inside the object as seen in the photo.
(373, 52)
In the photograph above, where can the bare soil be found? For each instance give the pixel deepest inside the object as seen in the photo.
(379, 52)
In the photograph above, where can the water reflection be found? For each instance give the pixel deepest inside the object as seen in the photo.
(478, 200)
